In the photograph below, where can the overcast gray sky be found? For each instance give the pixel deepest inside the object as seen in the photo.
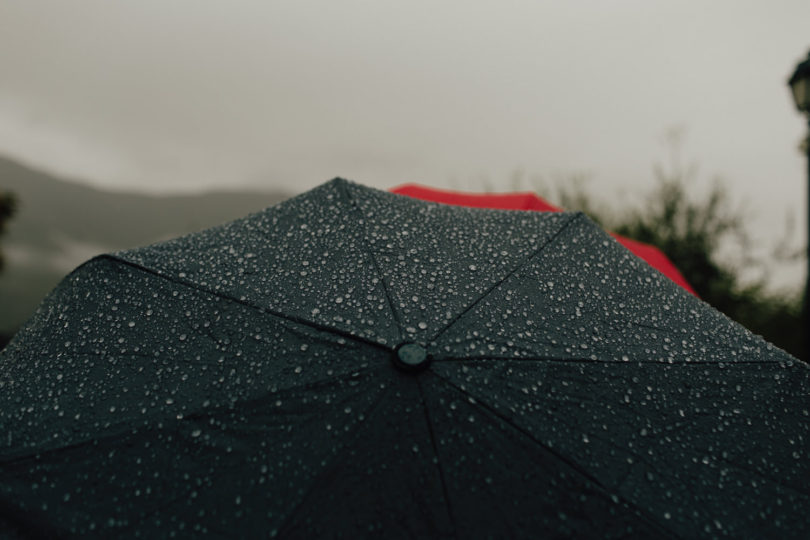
(181, 95)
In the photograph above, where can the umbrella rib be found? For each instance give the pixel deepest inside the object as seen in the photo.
(762, 475)
(674, 428)
(575, 217)
(353, 205)
(432, 433)
(268, 311)
(191, 416)
(515, 359)
(12, 459)
(297, 390)
(597, 360)
(330, 468)
(572, 464)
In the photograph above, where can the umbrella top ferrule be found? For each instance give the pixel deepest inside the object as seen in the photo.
(410, 357)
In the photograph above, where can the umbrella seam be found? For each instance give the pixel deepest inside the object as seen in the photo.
(432, 434)
(678, 426)
(195, 286)
(124, 427)
(727, 363)
(294, 512)
(573, 465)
(353, 205)
(330, 468)
(577, 216)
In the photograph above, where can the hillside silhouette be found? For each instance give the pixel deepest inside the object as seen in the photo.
(60, 223)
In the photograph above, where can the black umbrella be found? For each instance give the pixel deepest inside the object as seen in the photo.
(356, 363)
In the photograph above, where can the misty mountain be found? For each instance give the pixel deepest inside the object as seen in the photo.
(60, 223)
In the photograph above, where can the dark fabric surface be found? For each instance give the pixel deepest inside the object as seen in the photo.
(239, 382)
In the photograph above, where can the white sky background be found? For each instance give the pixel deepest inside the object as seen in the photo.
(186, 95)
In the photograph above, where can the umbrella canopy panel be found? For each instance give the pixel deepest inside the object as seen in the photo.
(253, 378)
(530, 201)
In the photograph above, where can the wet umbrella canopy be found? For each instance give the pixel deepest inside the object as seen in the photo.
(357, 363)
(530, 201)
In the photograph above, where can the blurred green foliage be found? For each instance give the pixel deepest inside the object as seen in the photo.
(698, 231)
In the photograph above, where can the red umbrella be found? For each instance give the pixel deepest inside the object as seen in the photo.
(529, 201)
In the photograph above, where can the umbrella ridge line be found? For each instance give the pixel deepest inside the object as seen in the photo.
(435, 447)
(261, 309)
(19, 457)
(573, 465)
(342, 187)
(575, 216)
(614, 362)
(567, 400)
(158, 506)
(330, 468)
(762, 476)
(169, 423)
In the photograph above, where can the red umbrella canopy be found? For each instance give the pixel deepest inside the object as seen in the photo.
(529, 201)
